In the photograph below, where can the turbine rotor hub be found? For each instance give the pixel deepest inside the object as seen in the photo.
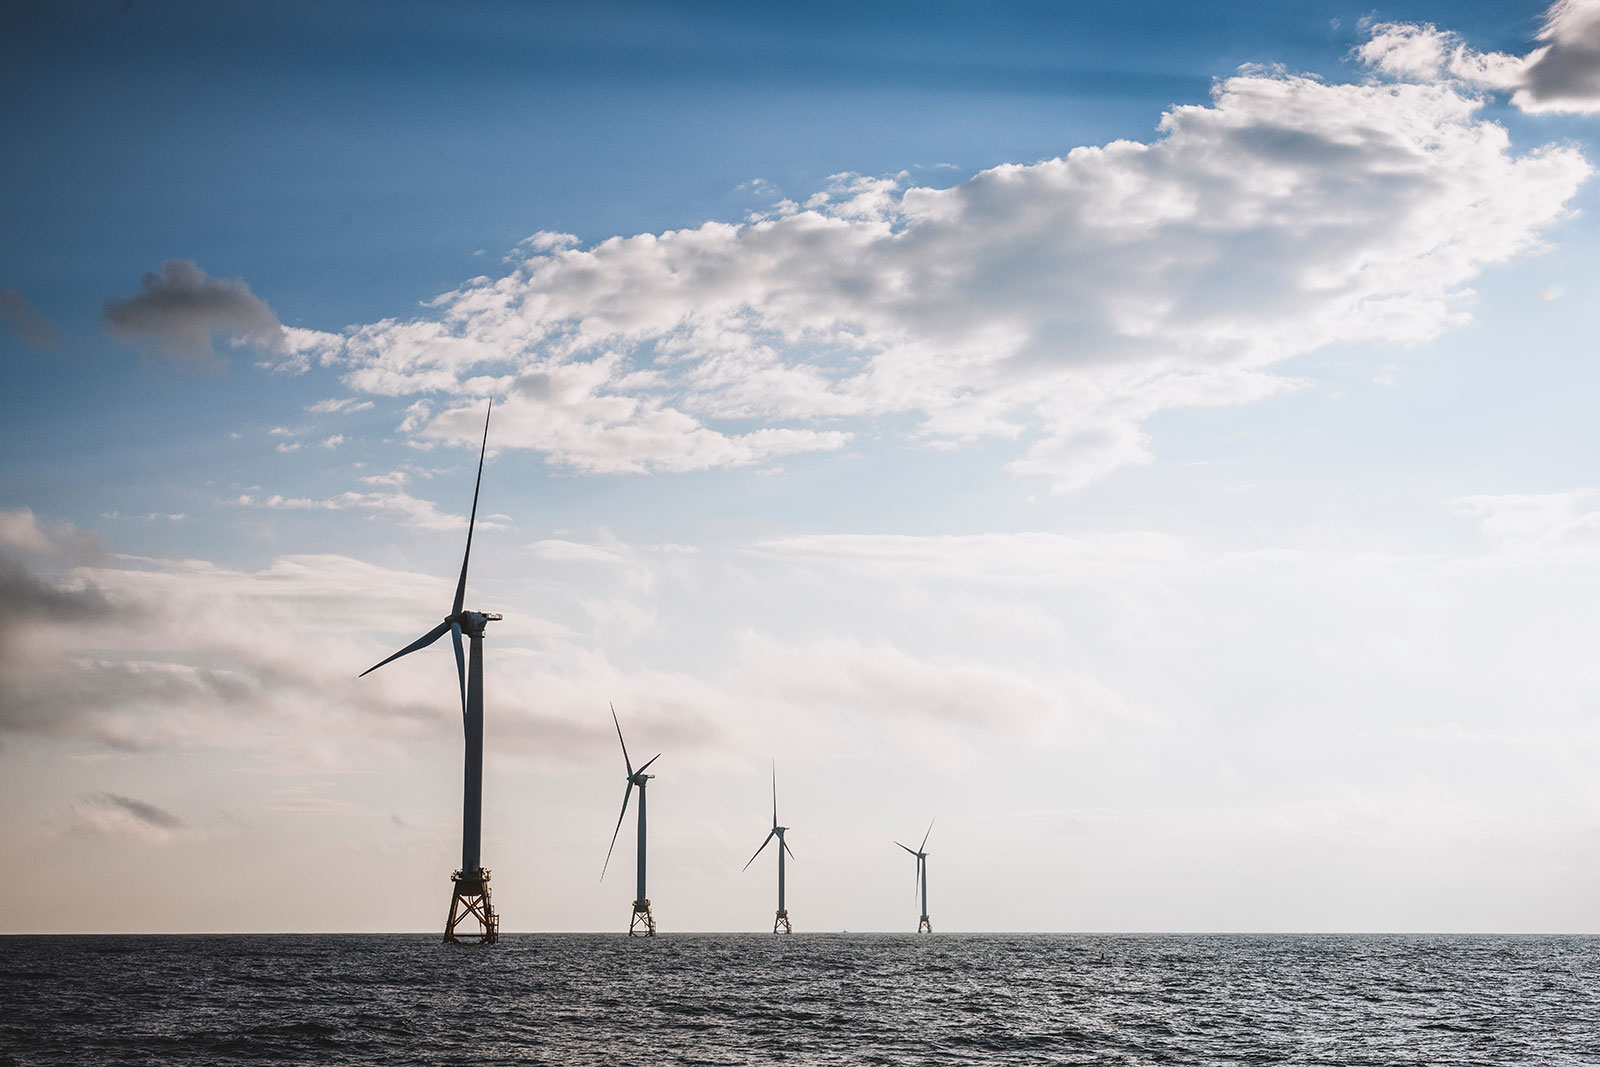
(472, 623)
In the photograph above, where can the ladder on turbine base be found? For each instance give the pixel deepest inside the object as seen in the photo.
(470, 900)
(780, 925)
(643, 924)
(924, 926)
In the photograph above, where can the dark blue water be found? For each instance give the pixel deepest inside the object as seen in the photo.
(806, 999)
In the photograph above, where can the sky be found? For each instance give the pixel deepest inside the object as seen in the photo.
(1153, 441)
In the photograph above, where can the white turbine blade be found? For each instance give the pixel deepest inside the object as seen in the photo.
(758, 851)
(786, 847)
(614, 833)
(422, 642)
(774, 793)
(925, 836)
(912, 851)
(647, 763)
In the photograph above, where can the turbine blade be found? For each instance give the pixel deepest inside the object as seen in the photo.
(461, 664)
(461, 586)
(628, 763)
(624, 813)
(651, 760)
(758, 851)
(925, 836)
(422, 642)
(907, 849)
(786, 847)
(774, 793)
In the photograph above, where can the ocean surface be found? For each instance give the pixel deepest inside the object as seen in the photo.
(805, 999)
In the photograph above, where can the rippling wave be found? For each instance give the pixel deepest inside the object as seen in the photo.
(806, 999)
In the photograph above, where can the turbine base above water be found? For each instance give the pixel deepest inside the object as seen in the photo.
(470, 901)
(924, 926)
(780, 924)
(643, 924)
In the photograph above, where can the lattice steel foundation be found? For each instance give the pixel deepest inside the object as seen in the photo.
(471, 901)
(924, 926)
(780, 925)
(643, 924)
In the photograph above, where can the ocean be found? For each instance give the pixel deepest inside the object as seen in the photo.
(805, 999)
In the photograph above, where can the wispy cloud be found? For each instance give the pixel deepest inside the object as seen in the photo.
(114, 815)
(339, 405)
(397, 504)
(1538, 525)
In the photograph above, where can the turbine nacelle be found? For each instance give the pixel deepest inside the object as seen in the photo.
(472, 623)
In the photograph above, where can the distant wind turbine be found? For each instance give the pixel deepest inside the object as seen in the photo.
(642, 919)
(471, 895)
(780, 924)
(923, 925)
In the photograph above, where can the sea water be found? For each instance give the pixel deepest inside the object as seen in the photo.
(804, 999)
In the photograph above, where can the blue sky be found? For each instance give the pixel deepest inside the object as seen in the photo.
(1251, 525)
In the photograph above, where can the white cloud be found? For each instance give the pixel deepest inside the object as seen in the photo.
(1538, 524)
(1561, 75)
(1059, 304)
(856, 682)
(396, 503)
(576, 552)
(1019, 559)
(1423, 52)
(22, 529)
(339, 405)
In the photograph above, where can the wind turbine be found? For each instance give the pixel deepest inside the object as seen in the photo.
(923, 925)
(641, 903)
(780, 924)
(470, 897)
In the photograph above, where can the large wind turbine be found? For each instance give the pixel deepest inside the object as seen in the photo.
(923, 925)
(780, 924)
(641, 903)
(471, 894)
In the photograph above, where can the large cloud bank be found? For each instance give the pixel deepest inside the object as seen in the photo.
(1058, 304)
